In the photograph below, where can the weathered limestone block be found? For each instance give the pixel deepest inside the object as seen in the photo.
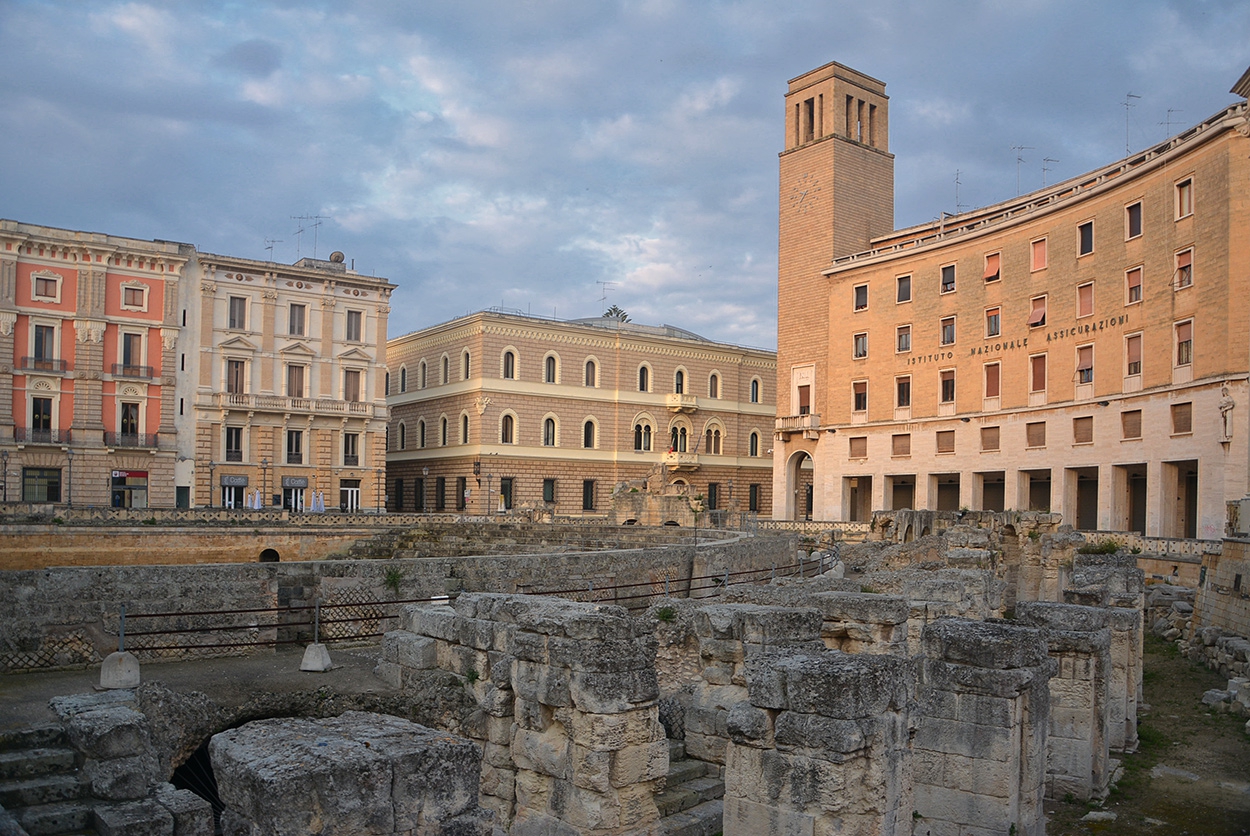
(859, 622)
(136, 818)
(359, 773)
(408, 649)
(192, 815)
(111, 732)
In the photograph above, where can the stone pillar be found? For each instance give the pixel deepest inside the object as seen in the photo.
(859, 622)
(821, 747)
(980, 744)
(1079, 640)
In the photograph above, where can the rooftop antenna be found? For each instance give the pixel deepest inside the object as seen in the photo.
(959, 207)
(1127, 104)
(1020, 160)
(317, 219)
(269, 242)
(603, 295)
(1168, 122)
(1046, 168)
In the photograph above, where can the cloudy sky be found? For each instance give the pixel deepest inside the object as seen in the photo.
(518, 153)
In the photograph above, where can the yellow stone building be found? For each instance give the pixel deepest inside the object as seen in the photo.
(1082, 349)
(497, 410)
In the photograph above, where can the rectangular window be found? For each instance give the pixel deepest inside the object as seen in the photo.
(236, 376)
(588, 494)
(351, 385)
(1184, 343)
(351, 449)
(134, 298)
(948, 385)
(805, 400)
(1130, 423)
(41, 415)
(861, 297)
(1037, 250)
(129, 424)
(900, 444)
(295, 321)
(549, 491)
(295, 382)
(238, 313)
(132, 352)
(1184, 269)
(993, 322)
(1184, 198)
(902, 392)
(1035, 434)
(294, 446)
(989, 438)
(1083, 430)
(902, 289)
(948, 330)
(353, 333)
(948, 278)
(1132, 284)
(45, 342)
(41, 484)
(461, 486)
(234, 444)
(903, 338)
(1087, 237)
(1085, 364)
(993, 378)
(440, 493)
(861, 346)
(1085, 300)
(1132, 354)
(858, 447)
(1182, 418)
(1037, 373)
(993, 267)
(1132, 220)
(753, 497)
(1037, 312)
(859, 390)
(946, 441)
(47, 287)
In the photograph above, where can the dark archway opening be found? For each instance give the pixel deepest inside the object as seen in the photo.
(269, 556)
(196, 775)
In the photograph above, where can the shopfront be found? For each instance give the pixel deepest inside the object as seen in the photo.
(130, 488)
(233, 490)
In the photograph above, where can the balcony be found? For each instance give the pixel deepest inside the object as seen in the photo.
(234, 455)
(26, 435)
(141, 440)
(350, 460)
(675, 461)
(127, 370)
(280, 403)
(681, 403)
(43, 364)
(808, 425)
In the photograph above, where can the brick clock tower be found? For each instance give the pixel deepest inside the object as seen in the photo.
(837, 194)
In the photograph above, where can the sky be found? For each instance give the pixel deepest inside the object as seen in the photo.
(560, 156)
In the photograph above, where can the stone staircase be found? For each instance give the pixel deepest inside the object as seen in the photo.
(41, 785)
(690, 804)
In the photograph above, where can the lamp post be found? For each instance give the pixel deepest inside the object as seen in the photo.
(377, 497)
(69, 487)
(4, 455)
(489, 510)
(264, 480)
(212, 466)
(425, 475)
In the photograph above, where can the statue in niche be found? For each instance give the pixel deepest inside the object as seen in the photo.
(1227, 404)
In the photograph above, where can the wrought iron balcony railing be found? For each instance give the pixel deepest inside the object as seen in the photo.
(147, 440)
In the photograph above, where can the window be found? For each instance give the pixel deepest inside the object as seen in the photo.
(403, 436)
(1085, 300)
(1037, 373)
(588, 435)
(41, 416)
(993, 322)
(442, 432)
(420, 433)
(753, 444)
(440, 493)
(461, 485)
(45, 346)
(711, 443)
(295, 382)
(902, 289)
(642, 437)
(858, 447)
(1184, 269)
(403, 379)
(1185, 198)
(238, 313)
(509, 366)
(993, 267)
(294, 446)
(948, 330)
(351, 449)
(549, 370)
(549, 491)
(466, 364)
(464, 429)
(1035, 434)
(1132, 354)
(1182, 418)
(1037, 312)
(421, 375)
(1085, 364)
(859, 395)
(755, 391)
(1083, 430)
(860, 295)
(679, 382)
(948, 278)
(132, 355)
(1185, 343)
(902, 392)
(902, 338)
(236, 377)
(1132, 220)
(41, 484)
(1130, 423)
(446, 378)
(351, 385)
(134, 297)
(590, 373)
(993, 378)
(549, 432)
(353, 331)
(295, 320)
(713, 386)
(588, 494)
(989, 439)
(753, 497)
(947, 377)
(946, 441)
(860, 346)
(644, 375)
(900, 444)
(46, 287)
(506, 428)
(1037, 250)
(129, 424)
(805, 400)
(677, 440)
(1132, 283)
(1086, 231)
(234, 444)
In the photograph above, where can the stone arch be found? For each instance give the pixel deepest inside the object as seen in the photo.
(800, 485)
(270, 556)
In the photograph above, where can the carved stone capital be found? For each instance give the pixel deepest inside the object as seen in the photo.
(89, 331)
(208, 287)
(7, 320)
(169, 338)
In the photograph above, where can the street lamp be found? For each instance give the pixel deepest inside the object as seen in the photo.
(489, 510)
(264, 480)
(377, 496)
(69, 487)
(4, 455)
(425, 475)
(212, 466)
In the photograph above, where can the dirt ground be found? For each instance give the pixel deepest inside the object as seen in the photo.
(1191, 773)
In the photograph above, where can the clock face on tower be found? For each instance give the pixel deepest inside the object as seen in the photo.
(806, 193)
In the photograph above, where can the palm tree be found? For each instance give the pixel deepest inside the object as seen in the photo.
(616, 313)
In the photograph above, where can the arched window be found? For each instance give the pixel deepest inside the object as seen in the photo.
(679, 382)
(590, 372)
(443, 432)
(464, 429)
(712, 442)
(642, 437)
(403, 437)
(509, 365)
(446, 372)
(403, 379)
(505, 430)
(421, 434)
(421, 383)
(755, 391)
(549, 370)
(466, 365)
(677, 440)
(713, 387)
(549, 432)
(388, 383)
(644, 379)
(754, 444)
(588, 435)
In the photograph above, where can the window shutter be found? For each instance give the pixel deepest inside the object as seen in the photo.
(1182, 417)
(1085, 300)
(1083, 430)
(1130, 422)
(1035, 434)
(901, 444)
(859, 447)
(989, 438)
(946, 441)
(992, 380)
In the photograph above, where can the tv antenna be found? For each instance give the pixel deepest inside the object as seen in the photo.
(269, 242)
(1127, 104)
(603, 295)
(1046, 168)
(959, 207)
(1019, 161)
(1168, 121)
(316, 222)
